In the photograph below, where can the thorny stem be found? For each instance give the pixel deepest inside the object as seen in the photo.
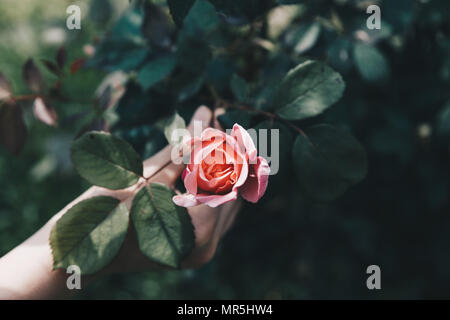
(156, 172)
(34, 96)
(222, 103)
(271, 116)
(25, 97)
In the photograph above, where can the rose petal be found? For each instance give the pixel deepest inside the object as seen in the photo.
(213, 184)
(200, 153)
(185, 200)
(243, 175)
(237, 149)
(245, 142)
(225, 187)
(220, 157)
(256, 184)
(185, 172)
(190, 181)
(210, 133)
(214, 201)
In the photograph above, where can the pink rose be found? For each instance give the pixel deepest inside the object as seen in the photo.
(221, 166)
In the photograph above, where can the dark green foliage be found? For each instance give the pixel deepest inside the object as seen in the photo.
(156, 70)
(307, 91)
(179, 9)
(125, 47)
(106, 161)
(371, 64)
(328, 161)
(245, 11)
(240, 88)
(395, 104)
(90, 234)
(164, 231)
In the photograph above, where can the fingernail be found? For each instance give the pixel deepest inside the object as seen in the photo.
(202, 114)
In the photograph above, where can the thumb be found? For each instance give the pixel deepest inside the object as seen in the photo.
(171, 172)
(202, 116)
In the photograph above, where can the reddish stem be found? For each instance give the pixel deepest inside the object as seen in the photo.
(271, 116)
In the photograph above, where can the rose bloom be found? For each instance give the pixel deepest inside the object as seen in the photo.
(221, 167)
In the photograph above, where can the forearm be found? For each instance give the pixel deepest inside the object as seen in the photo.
(27, 272)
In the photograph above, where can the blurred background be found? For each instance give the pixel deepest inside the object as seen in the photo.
(397, 103)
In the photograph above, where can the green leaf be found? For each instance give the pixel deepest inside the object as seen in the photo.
(240, 88)
(219, 73)
(242, 11)
(304, 37)
(193, 53)
(156, 70)
(89, 234)
(156, 27)
(231, 117)
(164, 231)
(339, 53)
(327, 161)
(129, 24)
(106, 161)
(308, 90)
(191, 88)
(100, 12)
(133, 107)
(146, 140)
(371, 63)
(124, 48)
(280, 20)
(443, 121)
(179, 9)
(174, 123)
(119, 54)
(201, 19)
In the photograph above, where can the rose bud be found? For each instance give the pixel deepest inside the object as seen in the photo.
(221, 167)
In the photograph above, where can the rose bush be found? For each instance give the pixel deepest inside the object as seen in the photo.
(222, 166)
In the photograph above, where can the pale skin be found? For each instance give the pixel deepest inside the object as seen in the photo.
(26, 272)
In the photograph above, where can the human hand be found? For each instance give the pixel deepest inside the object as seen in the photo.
(27, 271)
(210, 223)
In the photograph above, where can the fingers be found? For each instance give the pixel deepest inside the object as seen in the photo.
(205, 221)
(229, 215)
(172, 171)
(218, 112)
(202, 115)
(210, 225)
